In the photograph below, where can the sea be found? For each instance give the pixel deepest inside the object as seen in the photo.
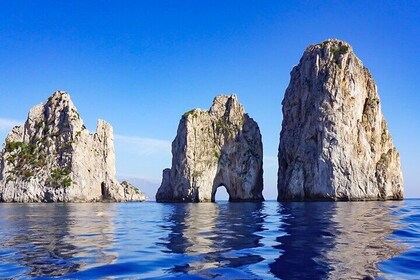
(222, 240)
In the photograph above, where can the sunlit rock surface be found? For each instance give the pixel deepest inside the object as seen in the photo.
(334, 142)
(212, 148)
(53, 158)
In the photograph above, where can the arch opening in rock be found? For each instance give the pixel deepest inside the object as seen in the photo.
(220, 193)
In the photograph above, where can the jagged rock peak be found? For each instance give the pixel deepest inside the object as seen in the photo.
(218, 147)
(226, 106)
(334, 143)
(52, 157)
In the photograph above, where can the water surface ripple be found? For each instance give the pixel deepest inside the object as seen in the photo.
(318, 240)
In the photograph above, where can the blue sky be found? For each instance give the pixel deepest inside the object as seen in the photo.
(141, 64)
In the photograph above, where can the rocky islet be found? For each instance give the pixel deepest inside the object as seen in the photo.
(334, 145)
(53, 158)
(334, 142)
(218, 147)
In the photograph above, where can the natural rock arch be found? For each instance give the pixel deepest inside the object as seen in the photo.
(221, 146)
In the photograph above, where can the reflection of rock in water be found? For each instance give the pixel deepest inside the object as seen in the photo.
(200, 222)
(334, 240)
(176, 242)
(47, 237)
(362, 239)
(214, 235)
(309, 233)
(92, 232)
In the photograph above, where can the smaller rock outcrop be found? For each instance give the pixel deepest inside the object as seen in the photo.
(219, 147)
(53, 158)
(334, 142)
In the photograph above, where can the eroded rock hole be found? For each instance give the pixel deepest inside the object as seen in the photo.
(221, 194)
(103, 190)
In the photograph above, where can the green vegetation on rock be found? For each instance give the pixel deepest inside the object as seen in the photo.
(192, 113)
(216, 154)
(25, 158)
(197, 173)
(224, 127)
(60, 177)
(337, 51)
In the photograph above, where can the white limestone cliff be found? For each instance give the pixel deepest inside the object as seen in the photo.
(53, 158)
(335, 143)
(212, 148)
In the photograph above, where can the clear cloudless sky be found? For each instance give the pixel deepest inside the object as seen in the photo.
(141, 64)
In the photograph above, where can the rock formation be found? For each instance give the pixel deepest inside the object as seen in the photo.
(212, 148)
(53, 158)
(334, 143)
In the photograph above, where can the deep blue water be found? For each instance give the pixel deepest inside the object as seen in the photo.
(318, 240)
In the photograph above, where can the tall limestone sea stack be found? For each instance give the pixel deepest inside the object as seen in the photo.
(212, 148)
(53, 158)
(334, 143)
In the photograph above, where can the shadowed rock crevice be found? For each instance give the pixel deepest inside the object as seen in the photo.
(53, 158)
(221, 146)
(334, 142)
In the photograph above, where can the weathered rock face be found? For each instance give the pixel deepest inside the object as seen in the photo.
(212, 148)
(334, 142)
(52, 158)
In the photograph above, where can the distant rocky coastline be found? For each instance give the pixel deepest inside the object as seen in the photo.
(53, 158)
(334, 142)
(218, 147)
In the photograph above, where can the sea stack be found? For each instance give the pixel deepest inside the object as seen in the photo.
(53, 158)
(218, 147)
(334, 142)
